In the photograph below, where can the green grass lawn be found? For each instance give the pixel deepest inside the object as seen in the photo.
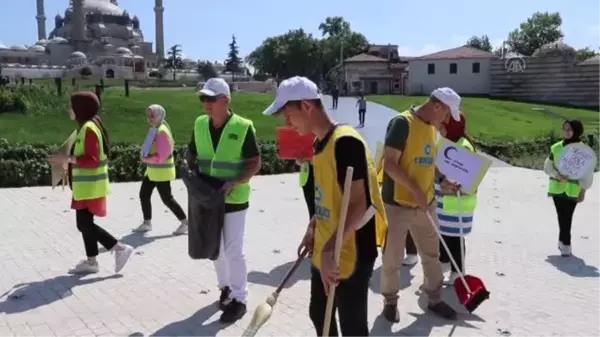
(497, 120)
(126, 116)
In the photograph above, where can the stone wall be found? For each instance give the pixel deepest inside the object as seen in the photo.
(559, 80)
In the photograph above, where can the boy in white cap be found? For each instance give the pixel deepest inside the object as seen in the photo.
(337, 147)
(408, 193)
(224, 145)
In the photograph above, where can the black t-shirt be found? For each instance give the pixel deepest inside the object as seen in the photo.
(350, 151)
(249, 150)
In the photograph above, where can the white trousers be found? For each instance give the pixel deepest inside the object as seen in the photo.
(231, 265)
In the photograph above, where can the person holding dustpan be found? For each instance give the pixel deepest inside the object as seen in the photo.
(454, 213)
(409, 197)
(337, 147)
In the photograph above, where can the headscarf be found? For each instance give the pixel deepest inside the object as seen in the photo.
(577, 128)
(161, 113)
(86, 106)
(455, 130)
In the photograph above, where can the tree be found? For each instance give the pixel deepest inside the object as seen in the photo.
(174, 61)
(334, 26)
(585, 53)
(480, 42)
(233, 62)
(538, 30)
(206, 70)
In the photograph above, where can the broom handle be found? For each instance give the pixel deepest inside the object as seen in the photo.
(291, 271)
(462, 238)
(338, 247)
(452, 260)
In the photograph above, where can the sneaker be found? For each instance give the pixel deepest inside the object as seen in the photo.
(410, 260)
(233, 311)
(391, 313)
(143, 228)
(84, 267)
(224, 298)
(121, 257)
(182, 229)
(450, 280)
(443, 310)
(446, 267)
(565, 251)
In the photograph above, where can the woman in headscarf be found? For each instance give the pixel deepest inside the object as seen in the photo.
(454, 211)
(88, 173)
(157, 154)
(566, 193)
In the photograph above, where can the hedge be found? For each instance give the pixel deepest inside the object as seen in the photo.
(27, 165)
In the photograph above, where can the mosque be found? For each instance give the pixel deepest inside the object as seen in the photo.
(93, 37)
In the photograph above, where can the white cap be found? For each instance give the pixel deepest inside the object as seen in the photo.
(215, 87)
(450, 98)
(293, 89)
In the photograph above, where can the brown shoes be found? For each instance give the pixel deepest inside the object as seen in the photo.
(390, 312)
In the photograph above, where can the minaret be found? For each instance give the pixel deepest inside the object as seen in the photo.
(160, 32)
(78, 33)
(41, 20)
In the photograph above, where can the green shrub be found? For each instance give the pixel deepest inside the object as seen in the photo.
(27, 165)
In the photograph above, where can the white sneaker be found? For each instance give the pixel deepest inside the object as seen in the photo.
(446, 267)
(410, 260)
(121, 257)
(182, 229)
(143, 228)
(565, 250)
(450, 280)
(84, 267)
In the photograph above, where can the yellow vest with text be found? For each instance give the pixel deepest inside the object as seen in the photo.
(226, 163)
(418, 160)
(89, 183)
(162, 171)
(328, 202)
(570, 188)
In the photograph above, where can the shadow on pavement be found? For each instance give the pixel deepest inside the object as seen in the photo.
(573, 266)
(276, 275)
(194, 325)
(405, 279)
(137, 240)
(27, 296)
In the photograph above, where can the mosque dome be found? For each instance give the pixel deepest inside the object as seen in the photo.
(42, 42)
(123, 51)
(18, 48)
(3, 47)
(38, 48)
(105, 7)
(77, 55)
(58, 39)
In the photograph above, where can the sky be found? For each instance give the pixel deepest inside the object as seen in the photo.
(417, 27)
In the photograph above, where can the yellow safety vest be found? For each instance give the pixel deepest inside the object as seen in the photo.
(162, 171)
(328, 202)
(90, 183)
(226, 162)
(570, 188)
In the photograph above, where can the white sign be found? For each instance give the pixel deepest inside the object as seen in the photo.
(461, 165)
(515, 64)
(576, 161)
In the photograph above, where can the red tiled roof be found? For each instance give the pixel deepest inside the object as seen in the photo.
(463, 52)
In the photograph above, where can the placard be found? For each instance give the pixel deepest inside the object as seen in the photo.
(576, 161)
(461, 165)
(59, 172)
(148, 142)
(292, 145)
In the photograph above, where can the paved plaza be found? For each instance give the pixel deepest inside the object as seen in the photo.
(162, 292)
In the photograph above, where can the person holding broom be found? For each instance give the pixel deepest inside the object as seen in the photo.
(337, 147)
(408, 193)
(454, 212)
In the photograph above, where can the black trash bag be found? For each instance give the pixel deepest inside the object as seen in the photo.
(206, 213)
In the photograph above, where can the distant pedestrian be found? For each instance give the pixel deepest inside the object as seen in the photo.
(160, 170)
(335, 94)
(566, 193)
(361, 103)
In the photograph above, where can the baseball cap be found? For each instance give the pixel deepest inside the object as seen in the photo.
(215, 87)
(450, 98)
(296, 88)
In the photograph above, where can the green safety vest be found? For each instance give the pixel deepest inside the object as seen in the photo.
(468, 202)
(555, 187)
(304, 171)
(162, 171)
(89, 183)
(227, 162)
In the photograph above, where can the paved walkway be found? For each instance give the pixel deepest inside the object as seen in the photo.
(163, 292)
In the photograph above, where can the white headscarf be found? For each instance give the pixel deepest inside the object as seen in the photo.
(161, 113)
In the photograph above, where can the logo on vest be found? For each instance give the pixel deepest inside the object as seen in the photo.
(427, 159)
(232, 136)
(321, 211)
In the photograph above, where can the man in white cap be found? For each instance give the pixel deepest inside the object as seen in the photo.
(408, 193)
(337, 147)
(224, 145)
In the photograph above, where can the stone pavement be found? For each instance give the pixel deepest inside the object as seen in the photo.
(163, 292)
